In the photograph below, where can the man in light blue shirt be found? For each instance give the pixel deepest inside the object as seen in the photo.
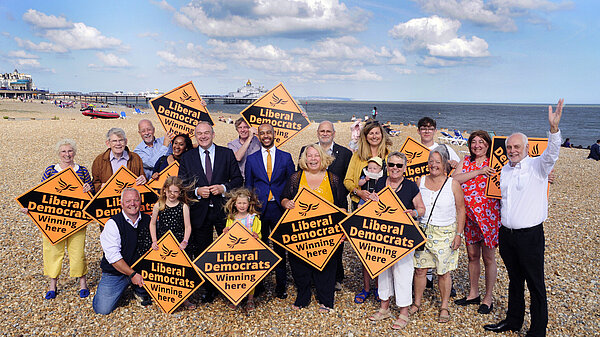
(151, 148)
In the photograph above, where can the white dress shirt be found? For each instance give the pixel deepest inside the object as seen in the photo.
(524, 188)
(211, 154)
(110, 238)
(264, 152)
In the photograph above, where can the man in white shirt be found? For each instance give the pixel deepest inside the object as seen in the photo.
(152, 148)
(523, 185)
(119, 240)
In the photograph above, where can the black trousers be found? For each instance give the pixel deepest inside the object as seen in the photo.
(269, 220)
(523, 254)
(202, 238)
(339, 273)
(305, 275)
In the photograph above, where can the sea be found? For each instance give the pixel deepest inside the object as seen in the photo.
(580, 123)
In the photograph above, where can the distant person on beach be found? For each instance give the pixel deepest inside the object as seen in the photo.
(151, 148)
(426, 128)
(267, 172)
(524, 189)
(53, 255)
(483, 219)
(353, 118)
(211, 170)
(114, 157)
(180, 144)
(119, 241)
(246, 144)
(595, 151)
(339, 166)
(567, 143)
(374, 112)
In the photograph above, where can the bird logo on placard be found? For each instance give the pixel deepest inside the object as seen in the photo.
(122, 185)
(235, 241)
(186, 97)
(535, 151)
(167, 253)
(64, 186)
(307, 208)
(384, 209)
(410, 155)
(277, 100)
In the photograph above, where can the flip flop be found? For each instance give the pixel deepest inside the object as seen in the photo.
(83, 293)
(50, 295)
(362, 296)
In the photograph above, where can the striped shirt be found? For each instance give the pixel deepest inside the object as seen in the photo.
(81, 171)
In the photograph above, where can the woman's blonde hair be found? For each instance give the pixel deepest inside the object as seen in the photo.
(242, 192)
(326, 159)
(364, 149)
(173, 181)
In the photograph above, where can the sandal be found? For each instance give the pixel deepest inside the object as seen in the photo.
(444, 318)
(376, 294)
(50, 295)
(401, 322)
(381, 314)
(325, 310)
(361, 297)
(83, 293)
(250, 306)
(415, 311)
(187, 305)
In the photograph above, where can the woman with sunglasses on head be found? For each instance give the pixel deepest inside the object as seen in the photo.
(373, 142)
(397, 280)
(483, 219)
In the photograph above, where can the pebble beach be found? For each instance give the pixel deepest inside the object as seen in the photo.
(31, 130)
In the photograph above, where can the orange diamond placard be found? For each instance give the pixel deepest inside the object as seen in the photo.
(171, 170)
(56, 205)
(499, 158)
(417, 155)
(107, 202)
(381, 233)
(310, 230)
(180, 109)
(236, 261)
(169, 275)
(278, 108)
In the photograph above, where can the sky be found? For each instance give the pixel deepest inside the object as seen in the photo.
(506, 51)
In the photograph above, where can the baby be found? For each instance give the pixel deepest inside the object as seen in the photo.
(370, 174)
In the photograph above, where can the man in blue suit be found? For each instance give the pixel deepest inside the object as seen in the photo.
(266, 172)
(212, 170)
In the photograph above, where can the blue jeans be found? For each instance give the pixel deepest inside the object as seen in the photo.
(109, 292)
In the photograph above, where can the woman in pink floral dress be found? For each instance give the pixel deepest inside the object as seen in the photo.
(483, 220)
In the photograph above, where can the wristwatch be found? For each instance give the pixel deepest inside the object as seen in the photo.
(355, 191)
(461, 235)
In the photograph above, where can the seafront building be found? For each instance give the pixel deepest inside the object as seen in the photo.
(16, 81)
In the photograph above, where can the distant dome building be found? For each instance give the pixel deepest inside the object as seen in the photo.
(248, 91)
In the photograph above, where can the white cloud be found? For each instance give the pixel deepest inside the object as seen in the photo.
(430, 61)
(41, 20)
(397, 58)
(421, 32)
(112, 60)
(252, 18)
(190, 62)
(164, 5)
(460, 47)
(496, 14)
(404, 71)
(358, 75)
(22, 54)
(42, 46)
(32, 63)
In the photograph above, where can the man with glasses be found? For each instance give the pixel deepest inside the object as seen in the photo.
(246, 144)
(114, 157)
(426, 130)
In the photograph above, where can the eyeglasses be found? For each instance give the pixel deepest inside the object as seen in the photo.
(398, 165)
(427, 129)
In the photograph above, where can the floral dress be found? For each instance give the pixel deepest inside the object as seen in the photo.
(483, 214)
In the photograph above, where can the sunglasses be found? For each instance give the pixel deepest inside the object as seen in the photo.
(398, 165)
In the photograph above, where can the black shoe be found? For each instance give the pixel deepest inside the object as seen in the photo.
(452, 291)
(464, 301)
(484, 309)
(429, 284)
(281, 293)
(500, 327)
(143, 300)
(207, 298)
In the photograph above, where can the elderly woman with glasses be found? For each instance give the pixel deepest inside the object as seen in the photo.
(397, 280)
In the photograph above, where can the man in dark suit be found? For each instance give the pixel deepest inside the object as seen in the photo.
(212, 170)
(326, 136)
(267, 172)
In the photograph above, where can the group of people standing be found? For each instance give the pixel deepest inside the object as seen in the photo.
(254, 182)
